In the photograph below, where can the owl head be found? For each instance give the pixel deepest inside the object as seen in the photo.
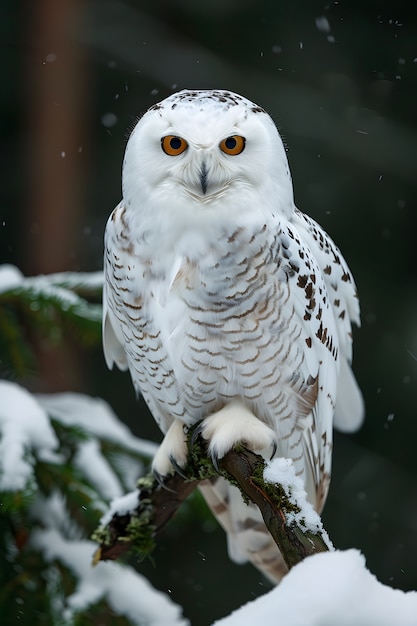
(206, 154)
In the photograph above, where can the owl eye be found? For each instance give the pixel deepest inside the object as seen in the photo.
(173, 145)
(233, 145)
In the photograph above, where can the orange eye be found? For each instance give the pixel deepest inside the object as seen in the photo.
(233, 145)
(173, 145)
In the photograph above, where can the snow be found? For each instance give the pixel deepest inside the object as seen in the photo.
(54, 507)
(10, 277)
(61, 286)
(322, 24)
(25, 432)
(96, 418)
(97, 470)
(327, 589)
(282, 471)
(71, 280)
(109, 119)
(24, 426)
(122, 506)
(127, 592)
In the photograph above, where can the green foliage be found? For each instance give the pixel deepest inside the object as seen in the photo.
(47, 307)
(100, 613)
(39, 585)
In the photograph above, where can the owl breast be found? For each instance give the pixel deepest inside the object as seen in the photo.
(225, 326)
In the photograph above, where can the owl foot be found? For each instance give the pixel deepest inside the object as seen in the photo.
(235, 424)
(171, 455)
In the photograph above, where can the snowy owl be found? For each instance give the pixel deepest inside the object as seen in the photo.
(229, 306)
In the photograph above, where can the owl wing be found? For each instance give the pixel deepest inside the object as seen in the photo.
(131, 337)
(314, 374)
(113, 349)
(115, 262)
(247, 536)
(341, 288)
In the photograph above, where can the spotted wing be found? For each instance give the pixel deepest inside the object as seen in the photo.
(341, 288)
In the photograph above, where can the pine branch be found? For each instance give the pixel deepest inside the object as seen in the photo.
(157, 504)
(45, 307)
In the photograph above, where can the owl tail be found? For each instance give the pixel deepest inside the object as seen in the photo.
(350, 409)
(247, 536)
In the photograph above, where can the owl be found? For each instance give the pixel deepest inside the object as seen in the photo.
(230, 307)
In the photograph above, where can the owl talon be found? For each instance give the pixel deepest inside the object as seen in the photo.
(172, 453)
(274, 449)
(177, 467)
(198, 430)
(236, 424)
(161, 482)
(215, 461)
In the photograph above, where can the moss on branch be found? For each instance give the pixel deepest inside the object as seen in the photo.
(158, 503)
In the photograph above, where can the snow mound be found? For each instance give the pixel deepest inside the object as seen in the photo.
(327, 589)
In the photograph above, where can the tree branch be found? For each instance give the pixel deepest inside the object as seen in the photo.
(137, 530)
(244, 469)
(295, 539)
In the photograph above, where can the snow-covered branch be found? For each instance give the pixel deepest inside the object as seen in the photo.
(274, 488)
(62, 458)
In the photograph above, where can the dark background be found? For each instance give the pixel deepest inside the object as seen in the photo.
(340, 81)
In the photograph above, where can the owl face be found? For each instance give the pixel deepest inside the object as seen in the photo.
(198, 150)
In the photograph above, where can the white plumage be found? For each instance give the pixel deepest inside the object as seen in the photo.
(226, 303)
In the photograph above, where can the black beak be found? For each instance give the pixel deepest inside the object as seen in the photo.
(203, 177)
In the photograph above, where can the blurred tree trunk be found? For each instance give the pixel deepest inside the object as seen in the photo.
(55, 108)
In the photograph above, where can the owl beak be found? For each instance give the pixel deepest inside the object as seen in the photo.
(203, 177)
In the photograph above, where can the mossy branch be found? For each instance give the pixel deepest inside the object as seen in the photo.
(137, 530)
(294, 539)
(242, 468)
